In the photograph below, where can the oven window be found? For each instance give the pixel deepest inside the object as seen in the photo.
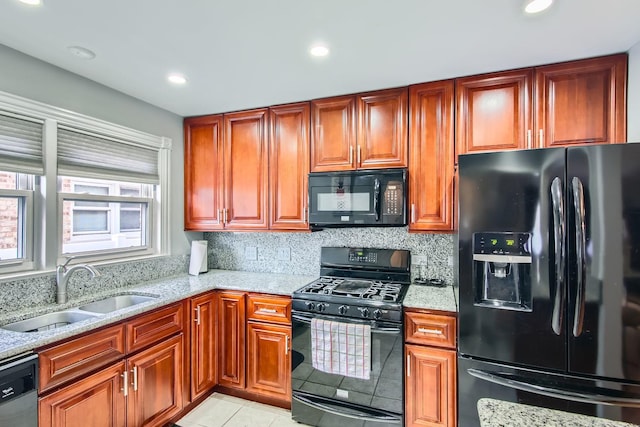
(343, 202)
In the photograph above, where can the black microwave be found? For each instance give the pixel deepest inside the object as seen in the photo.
(375, 198)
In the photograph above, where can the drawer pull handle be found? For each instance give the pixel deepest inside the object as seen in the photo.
(430, 331)
(267, 310)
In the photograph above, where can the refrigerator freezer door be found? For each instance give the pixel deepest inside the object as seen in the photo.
(604, 260)
(509, 237)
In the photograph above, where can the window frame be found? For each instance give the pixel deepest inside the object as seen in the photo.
(26, 235)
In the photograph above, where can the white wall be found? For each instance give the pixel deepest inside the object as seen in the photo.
(31, 78)
(633, 95)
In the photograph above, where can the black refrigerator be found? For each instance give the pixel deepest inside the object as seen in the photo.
(549, 281)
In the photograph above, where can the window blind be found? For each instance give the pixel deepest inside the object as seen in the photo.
(21, 144)
(93, 156)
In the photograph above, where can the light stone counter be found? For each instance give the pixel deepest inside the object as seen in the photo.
(167, 290)
(431, 298)
(496, 413)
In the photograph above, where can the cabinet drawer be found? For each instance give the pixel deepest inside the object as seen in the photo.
(75, 358)
(153, 327)
(269, 308)
(430, 329)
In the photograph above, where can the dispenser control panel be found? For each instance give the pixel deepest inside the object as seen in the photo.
(493, 243)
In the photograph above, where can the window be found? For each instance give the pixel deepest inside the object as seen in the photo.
(103, 215)
(106, 189)
(16, 200)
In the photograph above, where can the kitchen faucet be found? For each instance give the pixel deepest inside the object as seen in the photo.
(62, 277)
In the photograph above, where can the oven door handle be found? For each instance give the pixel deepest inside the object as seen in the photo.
(346, 409)
(374, 328)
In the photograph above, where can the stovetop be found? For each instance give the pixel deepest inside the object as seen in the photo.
(376, 290)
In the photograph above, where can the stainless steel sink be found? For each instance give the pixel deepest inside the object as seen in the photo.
(48, 321)
(114, 303)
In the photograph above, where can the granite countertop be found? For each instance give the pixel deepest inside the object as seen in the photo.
(168, 290)
(179, 287)
(431, 298)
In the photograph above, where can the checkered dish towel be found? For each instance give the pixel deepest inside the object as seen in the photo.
(341, 348)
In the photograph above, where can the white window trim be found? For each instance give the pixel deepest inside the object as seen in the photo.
(45, 252)
(26, 263)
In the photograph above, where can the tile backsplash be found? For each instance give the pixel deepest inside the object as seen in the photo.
(234, 251)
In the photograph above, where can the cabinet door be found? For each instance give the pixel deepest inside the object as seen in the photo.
(582, 102)
(289, 166)
(156, 378)
(382, 129)
(494, 112)
(269, 360)
(203, 344)
(432, 157)
(333, 134)
(430, 386)
(246, 169)
(97, 400)
(203, 173)
(231, 339)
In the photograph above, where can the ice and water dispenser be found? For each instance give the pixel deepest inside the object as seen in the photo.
(502, 270)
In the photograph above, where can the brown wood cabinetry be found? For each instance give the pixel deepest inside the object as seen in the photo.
(430, 383)
(577, 102)
(431, 190)
(246, 170)
(203, 173)
(269, 360)
(143, 388)
(365, 131)
(289, 166)
(581, 102)
(203, 344)
(231, 339)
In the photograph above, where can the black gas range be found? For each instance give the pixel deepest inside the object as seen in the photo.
(361, 283)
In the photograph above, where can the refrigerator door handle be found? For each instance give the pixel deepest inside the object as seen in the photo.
(581, 244)
(557, 201)
(596, 396)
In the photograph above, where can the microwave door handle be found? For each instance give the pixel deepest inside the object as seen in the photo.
(376, 198)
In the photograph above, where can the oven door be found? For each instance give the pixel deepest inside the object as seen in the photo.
(325, 399)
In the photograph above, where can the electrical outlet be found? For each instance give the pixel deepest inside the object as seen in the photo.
(450, 260)
(419, 260)
(284, 254)
(251, 253)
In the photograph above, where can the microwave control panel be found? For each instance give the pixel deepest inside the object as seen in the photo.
(393, 198)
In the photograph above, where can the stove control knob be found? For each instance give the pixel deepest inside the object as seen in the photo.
(377, 314)
(321, 307)
(343, 309)
(364, 312)
(311, 306)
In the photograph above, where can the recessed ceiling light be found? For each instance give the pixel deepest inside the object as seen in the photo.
(81, 52)
(535, 6)
(32, 2)
(178, 79)
(319, 50)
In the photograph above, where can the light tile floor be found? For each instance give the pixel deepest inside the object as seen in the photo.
(228, 411)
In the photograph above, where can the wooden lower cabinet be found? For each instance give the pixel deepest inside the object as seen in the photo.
(231, 339)
(430, 386)
(203, 344)
(97, 400)
(155, 391)
(269, 360)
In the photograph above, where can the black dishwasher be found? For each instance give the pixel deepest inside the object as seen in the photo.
(18, 391)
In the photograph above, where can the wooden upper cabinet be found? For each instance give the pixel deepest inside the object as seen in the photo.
(289, 166)
(494, 111)
(582, 102)
(333, 134)
(432, 156)
(382, 129)
(246, 169)
(203, 173)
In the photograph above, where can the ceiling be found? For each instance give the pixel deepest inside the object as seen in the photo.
(241, 54)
